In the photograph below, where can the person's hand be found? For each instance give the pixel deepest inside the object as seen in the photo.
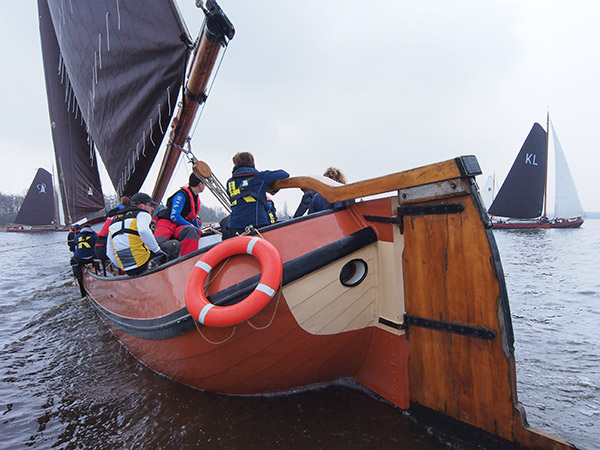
(161, 255)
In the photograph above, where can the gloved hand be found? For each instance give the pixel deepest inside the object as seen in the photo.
(161, 255)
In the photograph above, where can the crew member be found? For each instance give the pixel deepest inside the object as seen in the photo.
(100, 249)
(83, 253)
(131, 244)
(179, 220)
(247, 189)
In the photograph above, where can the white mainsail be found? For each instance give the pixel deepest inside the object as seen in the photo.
(487, 193)
(566, 203)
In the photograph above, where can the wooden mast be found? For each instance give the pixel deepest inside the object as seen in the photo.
(216, 33)
(55, 198)
(546, 179)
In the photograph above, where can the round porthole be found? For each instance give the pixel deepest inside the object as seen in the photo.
(353, 272)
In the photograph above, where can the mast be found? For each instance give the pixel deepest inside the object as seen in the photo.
(216, 33)
(546, 179)
(54, 194)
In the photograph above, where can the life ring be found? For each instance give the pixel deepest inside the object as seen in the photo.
(212, 315)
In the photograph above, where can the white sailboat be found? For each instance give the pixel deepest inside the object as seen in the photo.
(567, 206)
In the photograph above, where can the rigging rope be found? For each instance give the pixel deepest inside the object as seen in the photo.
(31, 246)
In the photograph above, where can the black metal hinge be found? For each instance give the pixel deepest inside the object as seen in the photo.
(424, 210)
(455, 328)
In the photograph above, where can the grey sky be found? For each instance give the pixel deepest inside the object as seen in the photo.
(370, 87)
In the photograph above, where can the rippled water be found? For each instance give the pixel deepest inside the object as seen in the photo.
(553, 280)
(65, 382)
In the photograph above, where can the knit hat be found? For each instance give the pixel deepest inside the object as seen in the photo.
(194, 180)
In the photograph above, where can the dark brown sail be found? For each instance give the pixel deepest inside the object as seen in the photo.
(80, 189)
(124, 62)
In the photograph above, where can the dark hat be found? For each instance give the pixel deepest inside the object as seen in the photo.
(194, 180)
(140, 197)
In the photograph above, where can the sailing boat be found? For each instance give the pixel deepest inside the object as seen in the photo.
(303, 302)
(521, 201)
(38, 211)
(487, 192)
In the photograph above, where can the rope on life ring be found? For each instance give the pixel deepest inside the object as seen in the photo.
(212, 315)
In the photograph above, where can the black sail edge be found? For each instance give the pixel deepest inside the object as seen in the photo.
(78, 178)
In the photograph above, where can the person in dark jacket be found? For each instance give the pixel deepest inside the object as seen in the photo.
(85, 241)
(100, 248)
(305, 202)
(247, 189)
(319, 203)
(74, 229)
(179, 220)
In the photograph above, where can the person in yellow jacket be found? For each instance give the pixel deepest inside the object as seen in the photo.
(131, 244)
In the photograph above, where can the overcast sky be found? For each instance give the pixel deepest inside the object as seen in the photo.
(371, 87)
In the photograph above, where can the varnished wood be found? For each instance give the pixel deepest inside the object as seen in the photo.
(204, 62)
(336, 192)
(450, 276)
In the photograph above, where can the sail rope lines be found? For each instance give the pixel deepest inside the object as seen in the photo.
(257, 328)
(196, 322)
(31, 246)
(213, 184)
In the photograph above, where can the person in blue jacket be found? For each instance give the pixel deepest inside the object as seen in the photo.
(247, 189)
(318, 202)
(307, 196)
(83, 253)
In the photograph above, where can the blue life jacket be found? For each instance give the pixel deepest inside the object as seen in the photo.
(85, 241)
(247, 190)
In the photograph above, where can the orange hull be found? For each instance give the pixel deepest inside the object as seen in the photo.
(427, 326)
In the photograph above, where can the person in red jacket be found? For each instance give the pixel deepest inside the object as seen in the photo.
(179, 220)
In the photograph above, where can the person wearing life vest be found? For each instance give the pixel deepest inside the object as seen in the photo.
(130, 244)
(83, 253)
(247, 189)
(271, 211)
(179, 220)
(100, 248)
(85, 240)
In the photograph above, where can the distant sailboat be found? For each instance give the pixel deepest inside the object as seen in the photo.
(487, 192)
(38, 211)
(521, 201)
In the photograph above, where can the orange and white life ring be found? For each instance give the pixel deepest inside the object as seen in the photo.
(212, 315)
